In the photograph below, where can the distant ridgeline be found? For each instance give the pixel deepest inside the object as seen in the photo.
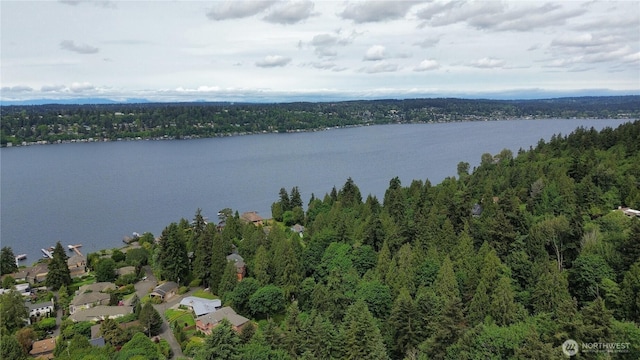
(100, 122)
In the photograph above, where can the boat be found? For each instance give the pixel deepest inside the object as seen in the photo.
(47, 253)
(21, 257)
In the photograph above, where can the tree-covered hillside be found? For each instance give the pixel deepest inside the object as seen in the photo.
(61, 123)
(509, 260)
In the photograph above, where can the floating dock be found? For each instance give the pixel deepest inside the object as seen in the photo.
(47, 253)
(75, 248)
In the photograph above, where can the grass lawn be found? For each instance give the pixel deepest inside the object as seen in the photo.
(204, 294)
(182, 316)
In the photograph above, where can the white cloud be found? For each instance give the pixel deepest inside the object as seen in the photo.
(52, 88)
(487, 63)
(290, 12)
(273, 61)
(427, 42)
(78, 48)
(236, 9)
(375, 53)
(380, 67)
(376, 11)
(78, 87)
(428, 64)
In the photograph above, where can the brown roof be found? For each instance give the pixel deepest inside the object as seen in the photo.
(224, 313)
(251, 216)
(43, 347)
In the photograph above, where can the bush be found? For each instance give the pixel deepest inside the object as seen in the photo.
(47, 324)
(126, 279)
(183, 290)
(195, 283)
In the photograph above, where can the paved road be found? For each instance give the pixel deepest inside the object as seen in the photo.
(142, 289)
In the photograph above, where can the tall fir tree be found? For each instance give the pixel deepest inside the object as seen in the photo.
(7, 261)
(404, 324)
(223, 343)
(172, 258)
(362, 337)
(59, 273)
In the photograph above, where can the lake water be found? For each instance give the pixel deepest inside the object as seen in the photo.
(97, 193)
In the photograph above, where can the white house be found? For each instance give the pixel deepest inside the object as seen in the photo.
(201, 306)
(39, 310)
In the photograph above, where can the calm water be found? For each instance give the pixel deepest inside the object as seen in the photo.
(97, 193)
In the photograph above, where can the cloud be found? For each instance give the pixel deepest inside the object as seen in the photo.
(375, 53)
(16, 89)
(426, 65)
(427, 42)
(376, 11)
(77, 87)
(380, 68)
(325, 44)
(104, 4)
(273, 61)
(487, 63)
(236, 9)
(78, 48)
(52, 88)
(494, 15)
(290, 12)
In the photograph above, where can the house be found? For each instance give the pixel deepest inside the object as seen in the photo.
(126, 270)
(238, 261)
(165, 291)
(88, 300)
(208, 322)
(298, 229)
(252, 217)
(77, 265)
(96, 338)
(476, 210)
(39, 310)
(23, 289)
(629, 212)
(43, 349)
(201, 306)
(21, 275)
(101, 312)
(96, 287)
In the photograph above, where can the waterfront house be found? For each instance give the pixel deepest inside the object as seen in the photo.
(43, 349)
(252, 217)
(96, 287)
(208, 322)
(165, 291)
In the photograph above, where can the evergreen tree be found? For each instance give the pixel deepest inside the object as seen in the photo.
(10, 348)
(295, 199)
(222, 344)
(12, 311)
(150, 319)
(285, 202)
(59, 273)
(362, 337)
(262, 266)
(140, 347)
(630, 297)
(172, 257)
(229, 279)
(405, 324)
(7, 261)
(112, 332)
(218, 262)
(503, 308)
(202, 256)
(480, 303)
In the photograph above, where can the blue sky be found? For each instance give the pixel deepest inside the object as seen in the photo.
(315, 50)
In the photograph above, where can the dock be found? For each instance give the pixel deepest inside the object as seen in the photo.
(75, 248)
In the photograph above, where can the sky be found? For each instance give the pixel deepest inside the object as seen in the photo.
(271, 51)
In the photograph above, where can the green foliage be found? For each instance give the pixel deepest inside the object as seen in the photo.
(221, 344)
(362, 338)
(172, 254)
(267, 301)
(150, 319)
(140, 345)
(105, 270)
(12, 311)
(10, 348)
(7, 261)
(58, 273)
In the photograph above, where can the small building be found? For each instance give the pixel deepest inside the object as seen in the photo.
(238, 261)
(101, 312)
(252, 217)
(43, 349)
(96, 287)
(77, 265)
(629, 212)
(165, 291)
(126, 270)
(88, 300)
(201, 306)
(39, 310)
(208, 322)
(298, 229)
